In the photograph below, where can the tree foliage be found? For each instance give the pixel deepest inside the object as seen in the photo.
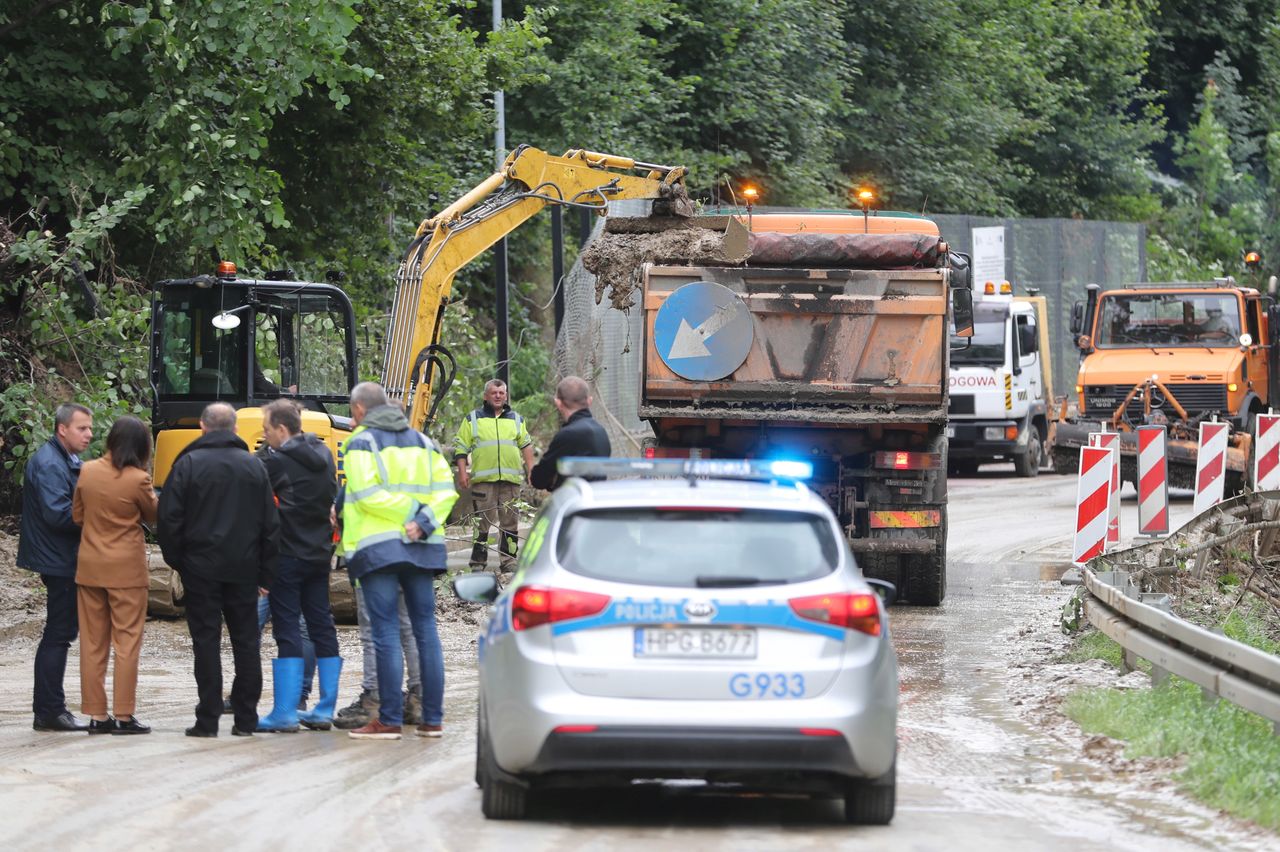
(140, 137)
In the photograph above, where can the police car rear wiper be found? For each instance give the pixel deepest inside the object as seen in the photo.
(706, 581)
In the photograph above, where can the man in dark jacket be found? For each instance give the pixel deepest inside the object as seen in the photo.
(305, 483)
(219, 529)
(48, 545)
(580, 435)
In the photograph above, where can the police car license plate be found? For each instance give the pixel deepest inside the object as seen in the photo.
(707, 642)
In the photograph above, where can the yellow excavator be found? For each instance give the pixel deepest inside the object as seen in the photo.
(246, 341)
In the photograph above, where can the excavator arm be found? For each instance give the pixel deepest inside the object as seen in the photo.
(529, 180)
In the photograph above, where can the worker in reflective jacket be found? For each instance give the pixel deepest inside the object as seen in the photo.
(398, 495)
(500, 455)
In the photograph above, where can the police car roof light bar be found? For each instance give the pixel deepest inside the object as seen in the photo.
(756, 469)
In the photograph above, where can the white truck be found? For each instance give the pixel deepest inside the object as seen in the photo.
(1001, 386)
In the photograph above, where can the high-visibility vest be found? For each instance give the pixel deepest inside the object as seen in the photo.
(392, 478)
(494, 442)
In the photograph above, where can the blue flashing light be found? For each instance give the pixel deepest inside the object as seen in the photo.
(788, 469)
(709, 468)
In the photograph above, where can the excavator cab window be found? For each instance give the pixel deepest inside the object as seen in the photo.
(199, 359)
(301, 345)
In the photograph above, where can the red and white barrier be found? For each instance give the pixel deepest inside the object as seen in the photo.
(1211, 465)
(1111, 441)
(1093, 496)
(1266, 465)
(1153, 481)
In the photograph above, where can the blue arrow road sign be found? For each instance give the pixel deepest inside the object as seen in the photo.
(703, 331)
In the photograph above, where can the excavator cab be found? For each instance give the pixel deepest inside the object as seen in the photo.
(247, 341)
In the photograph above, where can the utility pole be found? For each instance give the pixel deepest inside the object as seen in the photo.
(500, 249)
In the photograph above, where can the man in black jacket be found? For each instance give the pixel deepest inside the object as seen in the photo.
(580, 435)
(48, 545)
(305, 483)
(219, 529)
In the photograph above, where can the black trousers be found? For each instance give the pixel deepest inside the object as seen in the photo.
(301, 590)
(61, 625)
(208, 604)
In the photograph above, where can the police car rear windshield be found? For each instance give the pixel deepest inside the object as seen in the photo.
(695, 547)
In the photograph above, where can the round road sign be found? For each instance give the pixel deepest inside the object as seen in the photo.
(703, 331)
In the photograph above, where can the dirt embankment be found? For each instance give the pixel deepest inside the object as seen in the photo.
(21, 594)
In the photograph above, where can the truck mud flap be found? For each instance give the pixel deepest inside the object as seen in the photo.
(892, 545)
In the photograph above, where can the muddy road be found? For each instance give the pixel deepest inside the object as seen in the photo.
(986, 762)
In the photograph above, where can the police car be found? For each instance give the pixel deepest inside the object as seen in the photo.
(702, 620)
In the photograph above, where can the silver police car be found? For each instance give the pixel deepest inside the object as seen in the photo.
(701, 620)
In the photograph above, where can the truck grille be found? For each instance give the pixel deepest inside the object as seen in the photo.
(961, 403)
(1198, 399)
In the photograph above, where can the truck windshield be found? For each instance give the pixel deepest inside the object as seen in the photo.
(687, 547)
(1167, 319)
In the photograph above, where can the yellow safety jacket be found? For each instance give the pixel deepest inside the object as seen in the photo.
(494, 442)
(395, 474)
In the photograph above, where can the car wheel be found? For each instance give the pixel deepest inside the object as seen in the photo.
(480, 746)
(499, 799)
(871, 802)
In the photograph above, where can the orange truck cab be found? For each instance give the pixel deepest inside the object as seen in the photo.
(1176, 354)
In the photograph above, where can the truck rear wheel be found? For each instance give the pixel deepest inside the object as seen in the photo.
(1027, 463)
(925, 574)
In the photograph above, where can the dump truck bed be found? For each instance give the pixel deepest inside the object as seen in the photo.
(830, 345)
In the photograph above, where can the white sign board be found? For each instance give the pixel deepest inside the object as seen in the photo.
(988, 256)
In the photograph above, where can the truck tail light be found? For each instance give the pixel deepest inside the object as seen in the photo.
(532, 606)
(900, 460)
(856, 611)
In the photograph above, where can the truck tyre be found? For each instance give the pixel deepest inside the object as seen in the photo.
(926, 574)
(871, 802)
(1027, 463)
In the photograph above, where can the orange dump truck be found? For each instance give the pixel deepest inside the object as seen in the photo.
(1176, 354)
(816, 337)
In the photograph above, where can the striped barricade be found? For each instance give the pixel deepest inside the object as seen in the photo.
(1266, 463)
(1111, 441)
(1211, 465)
(1153, 481)
(1093, 495)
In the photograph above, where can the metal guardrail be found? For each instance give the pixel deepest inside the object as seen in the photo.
(1143, 626)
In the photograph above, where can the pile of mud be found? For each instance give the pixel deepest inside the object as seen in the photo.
(21, 594)
(615, 258)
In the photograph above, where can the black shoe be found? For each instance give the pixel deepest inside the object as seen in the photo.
(236, 732)
(197, 731)
(63, 722)
(302, 704)
(133, 726)
(106, 726)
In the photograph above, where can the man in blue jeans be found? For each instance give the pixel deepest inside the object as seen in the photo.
(304, 481)
(399, 491)
(48, 544)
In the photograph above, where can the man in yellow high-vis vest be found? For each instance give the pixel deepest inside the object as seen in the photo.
(399, 491)
(494, 453)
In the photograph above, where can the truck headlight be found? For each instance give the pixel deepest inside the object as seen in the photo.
(993, 433)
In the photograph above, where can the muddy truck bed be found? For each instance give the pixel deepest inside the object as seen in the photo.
(832, 329)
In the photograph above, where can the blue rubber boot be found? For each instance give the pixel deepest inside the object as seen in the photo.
(286, 686)
(320, 717)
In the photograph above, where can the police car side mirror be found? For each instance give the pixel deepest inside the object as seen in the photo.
(476, 588)
(887, 591)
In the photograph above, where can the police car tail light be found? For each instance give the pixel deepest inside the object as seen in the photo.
(901, 460)
(532, 606)
(857, 611)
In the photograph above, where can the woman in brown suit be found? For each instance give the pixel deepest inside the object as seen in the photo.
(114, 495)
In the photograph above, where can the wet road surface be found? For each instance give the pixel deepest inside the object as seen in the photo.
(973, 773)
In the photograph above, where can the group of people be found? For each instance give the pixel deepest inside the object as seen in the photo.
(240, 527)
